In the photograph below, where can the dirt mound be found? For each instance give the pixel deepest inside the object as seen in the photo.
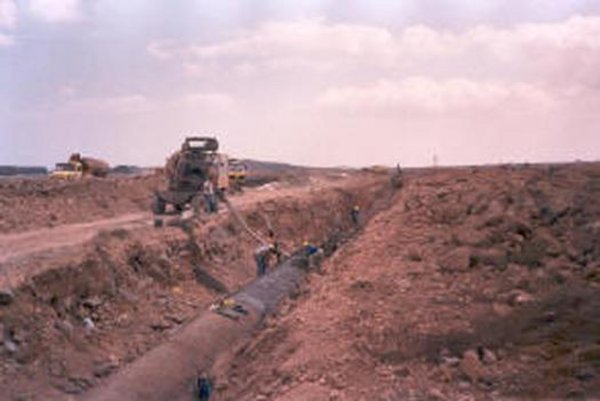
(477, 284)
(26, 204)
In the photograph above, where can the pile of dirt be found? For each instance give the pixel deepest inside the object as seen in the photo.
(30, 203)
(477, 283)
(43, 202)
(96, 308)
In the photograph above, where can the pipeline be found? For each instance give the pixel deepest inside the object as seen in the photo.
(169, 371)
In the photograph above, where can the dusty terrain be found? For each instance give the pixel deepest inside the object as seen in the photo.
(466, 284)
(86, 293)
(477, 284)
(34, 203)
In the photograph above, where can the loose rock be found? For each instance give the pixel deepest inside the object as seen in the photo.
(6, 296)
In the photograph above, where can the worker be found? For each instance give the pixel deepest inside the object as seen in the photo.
(314, 254)
(209, 197)
(263, 255)
(204, 387)
(355, 215)
(397, 177)
(276, 246)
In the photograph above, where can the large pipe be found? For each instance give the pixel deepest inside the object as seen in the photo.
(168, 372)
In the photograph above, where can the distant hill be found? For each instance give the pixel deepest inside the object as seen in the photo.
(22, 170)
(126, 169)
(270, 167)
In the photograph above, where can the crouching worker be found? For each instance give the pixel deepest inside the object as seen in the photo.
(263, 256)
(314, 255)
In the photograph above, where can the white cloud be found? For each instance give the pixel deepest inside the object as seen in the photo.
(161, 49)
(561, 52)
(425, 95)
(67, 90)
(6, 40)
(208, 101)
(56, 10)
(526, 68)
(310, 44)
(137, 103)
(8, 14)
(117, 105)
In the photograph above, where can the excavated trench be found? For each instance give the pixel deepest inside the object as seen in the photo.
(146, 292)
(169, 371)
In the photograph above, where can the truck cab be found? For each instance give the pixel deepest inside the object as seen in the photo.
(67, 171)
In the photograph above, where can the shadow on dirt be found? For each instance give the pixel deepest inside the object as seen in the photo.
(558, 336)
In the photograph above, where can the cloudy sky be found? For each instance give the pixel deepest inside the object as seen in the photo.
(321, 82)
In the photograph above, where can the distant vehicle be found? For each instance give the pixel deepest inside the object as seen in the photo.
(237, 174)
(78, 167)
(90, 166)
(67, 171)
(188, 170)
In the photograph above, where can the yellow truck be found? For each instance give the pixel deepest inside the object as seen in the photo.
(78, 167)
(67, 171)
(237, 174)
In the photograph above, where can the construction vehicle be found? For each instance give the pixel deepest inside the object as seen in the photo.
(237, 174)
(66, 171)
(188, 171)
(78, 167)
(90, 166)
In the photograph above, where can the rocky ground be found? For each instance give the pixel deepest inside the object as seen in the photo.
(80, 301)
(477, 284)
(467, 284)
(34, 203)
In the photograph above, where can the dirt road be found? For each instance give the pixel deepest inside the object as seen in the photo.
(43, 241)
(18, 245)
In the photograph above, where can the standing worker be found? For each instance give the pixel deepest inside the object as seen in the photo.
(209, 197)
(263, 255)
(355, 215)
(204, 387)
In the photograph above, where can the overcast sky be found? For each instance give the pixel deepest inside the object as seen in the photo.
(320, 82)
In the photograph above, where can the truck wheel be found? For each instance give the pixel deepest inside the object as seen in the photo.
(158, 205)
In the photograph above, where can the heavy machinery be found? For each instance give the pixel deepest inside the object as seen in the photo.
(79, 166)
(66, 171)
(237, 174)
(190, 173)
